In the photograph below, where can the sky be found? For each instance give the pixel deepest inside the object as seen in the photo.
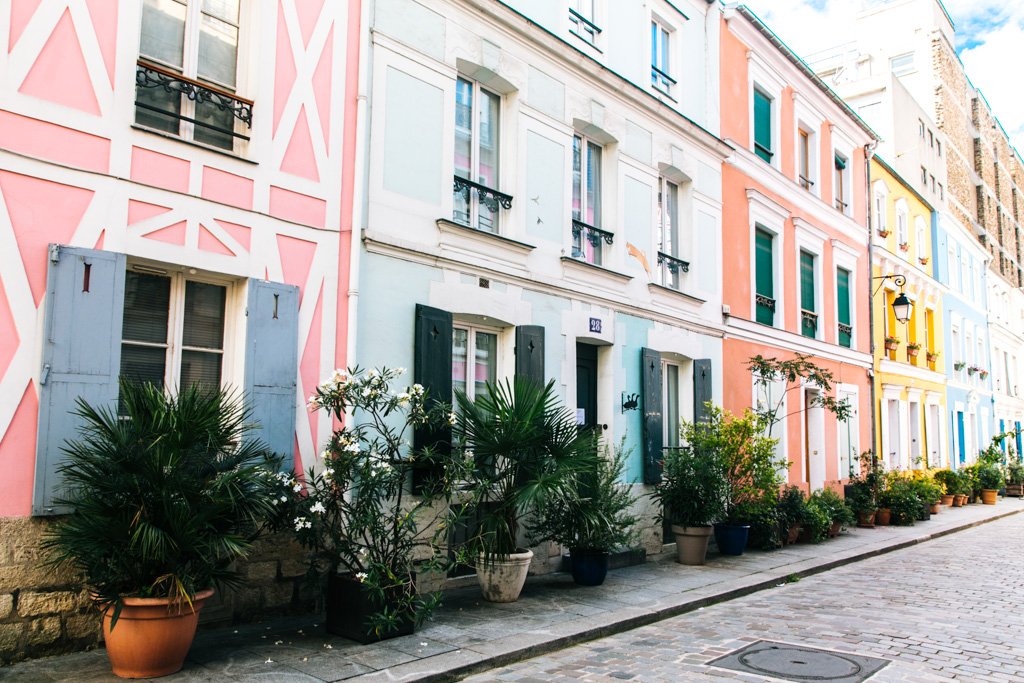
(990, 42)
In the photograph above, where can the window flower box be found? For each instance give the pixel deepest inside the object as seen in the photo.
(982, 373)
(904, 246)
(973, 369)
(884, 233)
(891, 343)
(913, 350)
(923, 260)
(932, 357)
(959, 365)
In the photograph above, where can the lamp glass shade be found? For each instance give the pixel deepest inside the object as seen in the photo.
(901, 307)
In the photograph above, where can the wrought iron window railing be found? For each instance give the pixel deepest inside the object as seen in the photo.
(671, 268)
(588, 240)
(661, 80)
(806, 183)
(808, 323)
(841, 205)
(487, 196)
(766, 301)
(151, 76)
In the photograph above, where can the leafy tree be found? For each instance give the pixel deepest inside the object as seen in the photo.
(795, 372)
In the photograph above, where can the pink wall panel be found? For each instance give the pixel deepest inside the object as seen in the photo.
(172, 234)
(309, 364)
(308, 12)
(21, 12)
(299, 158)
(59, 73)
(104, 22)
(227, 188)
(208, 242)
(296, 260)
(284, 73)
(322, 86)
(241, 233)
(159, 170)
(296, 207)
(140, 211)
(8, 332)
(41, 212)
(46, 140)
(17, 457)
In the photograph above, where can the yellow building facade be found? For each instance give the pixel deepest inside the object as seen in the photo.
(909, 382)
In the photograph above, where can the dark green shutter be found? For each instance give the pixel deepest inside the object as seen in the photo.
(702, 384)
(653, 423)
(840, 163)
(81, 355)
(432, 368)
(808, 327)
(843, 305)
(762, 126)
(530, 353)
(764, 277)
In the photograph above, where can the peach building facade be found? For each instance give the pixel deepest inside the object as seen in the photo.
(795, 243)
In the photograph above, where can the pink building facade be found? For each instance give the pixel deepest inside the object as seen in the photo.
(176, 195)
(794, 230)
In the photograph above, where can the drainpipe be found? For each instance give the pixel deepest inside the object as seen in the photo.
(869, 150)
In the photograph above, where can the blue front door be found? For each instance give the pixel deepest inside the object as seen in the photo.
(960, 435)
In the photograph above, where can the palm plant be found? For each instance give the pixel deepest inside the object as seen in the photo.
(523, 447)
(165, 495)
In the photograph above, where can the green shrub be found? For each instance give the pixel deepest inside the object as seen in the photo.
(792, 507)
(817, 520)
(834, 505)
(765, 523)
(901, 497)
(990, 477)
(948, 481)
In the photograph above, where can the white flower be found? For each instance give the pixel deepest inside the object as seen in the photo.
(284, 499)
(451, 418)
(361, 576)
(302, 523)
(296, 487)
(417, 390)
(403, 398)
(313, 403)
(328, 473)
(366, 391)
(399, 371)
(318, 507)
(352, 447)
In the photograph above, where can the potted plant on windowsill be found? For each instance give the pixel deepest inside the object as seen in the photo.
(362, 528)
(932, 356)
(165, 496)
(692, 491)
(959, 365)
(973, 369)
(913, 349)
(982, 373)
(522, 448)
(883, 233)
(590, 516)
(923, 260)
(904, 246)
(891, 343)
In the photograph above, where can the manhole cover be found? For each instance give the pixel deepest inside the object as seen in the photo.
(799, 663)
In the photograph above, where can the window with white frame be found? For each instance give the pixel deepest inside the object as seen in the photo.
(952, 267)
(957, 351)
(477, 132)
(187, 76)
(583, 20)
(808, 294)
(921, 238)
(671, 264)
(841, 183)
(902, 228)
(588, 239)
(881, 196)
(661, 57)
(173, 330)
(474, 359)
(805, 158)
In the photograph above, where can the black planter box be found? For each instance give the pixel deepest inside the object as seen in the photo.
(349, 609)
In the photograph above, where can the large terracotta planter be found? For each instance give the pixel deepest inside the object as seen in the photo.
(947, 499)
(793, 534)
(835, 529)
(959, 500)
(866, 520)
(350, 607)
(989, 496)
(691, 544)
(935, 508)
(883, 516)
(151, 637)
(502, 580)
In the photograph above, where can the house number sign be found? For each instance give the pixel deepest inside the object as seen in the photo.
(595, 325)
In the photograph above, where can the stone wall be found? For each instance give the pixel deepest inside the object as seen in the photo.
(44, 611)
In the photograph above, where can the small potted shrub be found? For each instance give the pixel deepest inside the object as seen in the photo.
(990, 479)
(792, 509)
(970, 483)
(591, 517)
(946, 480)
(692, 491)
(901, 498)
(166, 496)
(839, 513)
(817, 521)
(862, 494)
(521, 446)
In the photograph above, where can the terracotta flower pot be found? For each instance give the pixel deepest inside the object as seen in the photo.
(835, 529)
(959, 500)
(503, 580)
(989, 496)
(691, 544)
(151, 637)
(883, 516)
(947, 499)
(866, 520)
(793, 534)
(935, 508)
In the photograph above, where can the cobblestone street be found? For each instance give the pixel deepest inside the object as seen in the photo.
(944, 610)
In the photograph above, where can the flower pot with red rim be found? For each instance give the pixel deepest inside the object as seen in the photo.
(883, 516)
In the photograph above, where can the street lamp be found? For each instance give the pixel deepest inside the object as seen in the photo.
(902, 306)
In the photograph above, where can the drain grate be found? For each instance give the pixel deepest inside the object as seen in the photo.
(799, 663)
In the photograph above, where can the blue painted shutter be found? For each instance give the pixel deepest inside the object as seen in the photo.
(272, 363)
(81, 354)
(702, 385)
(653, 423)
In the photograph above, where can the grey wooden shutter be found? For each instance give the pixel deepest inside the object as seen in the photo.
(530, 353)
(81, 354)
(701, 388)
(653, 423)
(432, 368)
(272, 363)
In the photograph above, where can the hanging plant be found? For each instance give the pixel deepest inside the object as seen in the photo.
(891, 343)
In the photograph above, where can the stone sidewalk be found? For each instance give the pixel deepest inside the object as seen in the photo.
(469, 635)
